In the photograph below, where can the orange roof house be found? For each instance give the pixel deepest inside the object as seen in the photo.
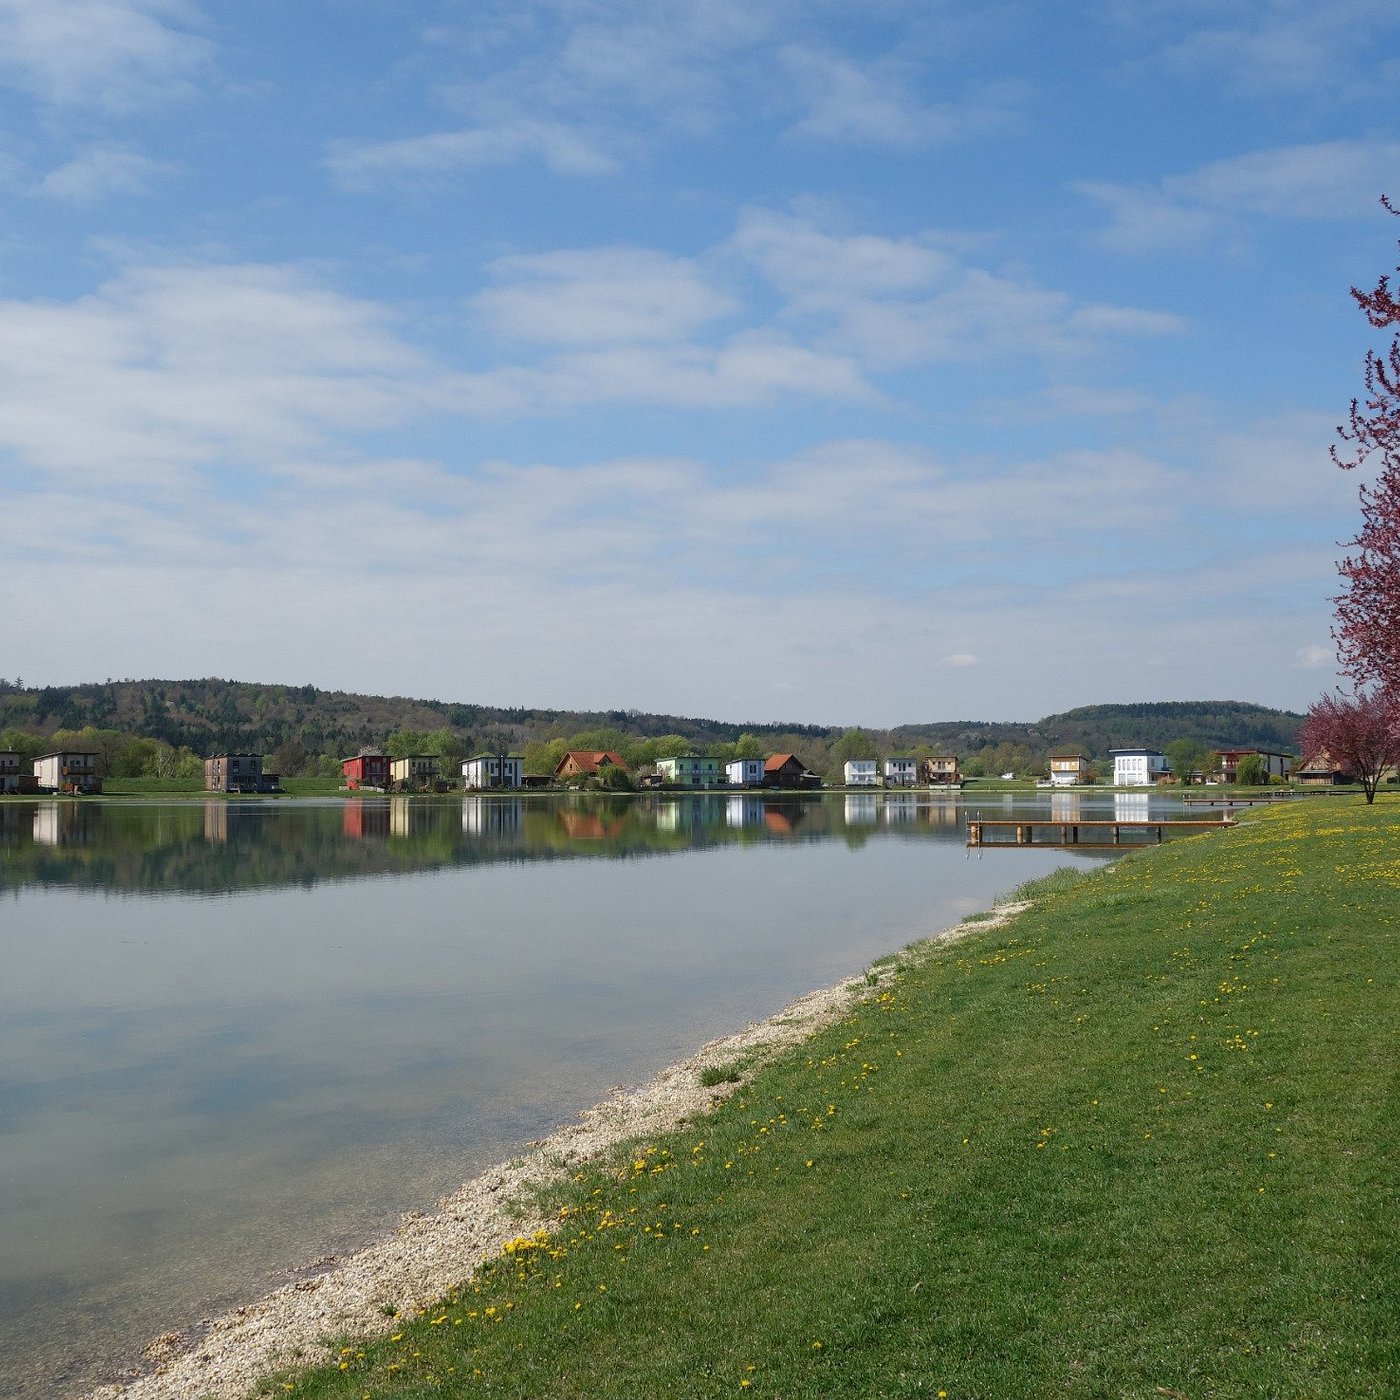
(587, 762)
(788, 771)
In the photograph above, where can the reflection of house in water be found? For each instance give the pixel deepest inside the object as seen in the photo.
(46, 824)
(62, 824)
(365, 821)
(862, 809)
(1131, 806)
(740, 812)
(10, 824)
(410, 818)
(690, 813)
(582, 825)
(1065, 806)
(942, 814)
(226, 820)
(491, 816)
(783, 815)
(901, 808)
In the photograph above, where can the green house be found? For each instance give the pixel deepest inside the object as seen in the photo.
(689, 770)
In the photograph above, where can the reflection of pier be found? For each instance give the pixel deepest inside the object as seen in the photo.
(1105, 832)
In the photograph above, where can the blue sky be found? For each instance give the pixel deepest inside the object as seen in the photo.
(767, 360)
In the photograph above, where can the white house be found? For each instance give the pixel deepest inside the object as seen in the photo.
(901, 772)
(492, 770)
(67, 772)
(1068, 770)
(1139, 767)
(744, 772)
(860, 772)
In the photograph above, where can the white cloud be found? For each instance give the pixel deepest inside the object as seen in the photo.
(600, 296)
(1326, 180)
(896, 302)
(103, 171)
(109, 54)
(1282, 48)
(370, 165)
(1315, 658)
(748, 370)
(878, 103)
(167, 369)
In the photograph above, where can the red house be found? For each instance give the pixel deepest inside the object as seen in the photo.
(366, 770)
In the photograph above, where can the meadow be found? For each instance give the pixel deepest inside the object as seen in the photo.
(1139, 1141)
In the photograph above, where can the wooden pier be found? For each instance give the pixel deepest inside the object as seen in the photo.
(1071, 833)
(1256, 799)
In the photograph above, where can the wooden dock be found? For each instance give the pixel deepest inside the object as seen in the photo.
(1072, 833)
(1257, 799)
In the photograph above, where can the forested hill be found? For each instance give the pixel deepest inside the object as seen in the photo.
(1095, 729)
(214, 716)
(221, 716)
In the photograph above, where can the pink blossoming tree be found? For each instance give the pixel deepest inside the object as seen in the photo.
(1359, 735)
(1368, 611)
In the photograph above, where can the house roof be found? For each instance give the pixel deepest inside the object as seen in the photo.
(592, 759)
(780, 760)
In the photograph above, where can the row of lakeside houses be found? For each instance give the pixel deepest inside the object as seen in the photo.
(244, 772)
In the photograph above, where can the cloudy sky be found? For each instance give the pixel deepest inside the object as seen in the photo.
(760, 359)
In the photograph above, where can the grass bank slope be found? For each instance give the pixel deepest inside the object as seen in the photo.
(1141, 1141)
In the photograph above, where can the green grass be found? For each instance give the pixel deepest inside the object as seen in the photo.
(1140, 1141)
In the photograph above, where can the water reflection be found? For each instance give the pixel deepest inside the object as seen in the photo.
(218, 846)
(165, 847)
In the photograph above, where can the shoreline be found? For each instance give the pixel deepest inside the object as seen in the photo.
(223, 1357)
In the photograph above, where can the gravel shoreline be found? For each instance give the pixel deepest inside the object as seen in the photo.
(225, 1356)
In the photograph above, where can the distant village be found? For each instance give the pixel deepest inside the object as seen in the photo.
(79, 773)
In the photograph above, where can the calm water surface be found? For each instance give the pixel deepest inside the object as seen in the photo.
(238, 1036)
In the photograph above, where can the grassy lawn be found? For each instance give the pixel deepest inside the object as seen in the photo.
(1141, 1141)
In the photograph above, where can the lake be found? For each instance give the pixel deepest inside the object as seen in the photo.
(236, 1036)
